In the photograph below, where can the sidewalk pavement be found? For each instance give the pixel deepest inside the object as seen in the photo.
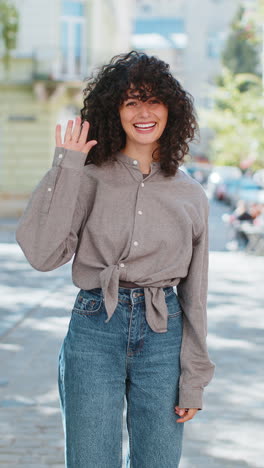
(35, 315)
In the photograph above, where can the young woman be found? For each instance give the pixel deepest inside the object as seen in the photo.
(137, 225)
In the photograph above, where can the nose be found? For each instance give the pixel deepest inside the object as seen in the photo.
(144, 110)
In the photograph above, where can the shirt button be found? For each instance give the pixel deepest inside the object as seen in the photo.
(140, 212)
(60, 155)
(135, 243)
(142, 184)
(122, 264)
(135, 162)
(49, 189)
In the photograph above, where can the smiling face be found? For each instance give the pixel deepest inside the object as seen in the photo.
(143, 121)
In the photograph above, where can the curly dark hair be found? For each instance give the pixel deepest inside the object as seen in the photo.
(149, 76)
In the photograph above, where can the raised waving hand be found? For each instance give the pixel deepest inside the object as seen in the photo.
(75, 138)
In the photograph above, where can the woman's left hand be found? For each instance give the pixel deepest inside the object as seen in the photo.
(187, 413)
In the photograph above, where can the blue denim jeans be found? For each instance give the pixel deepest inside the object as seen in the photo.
(101, 363)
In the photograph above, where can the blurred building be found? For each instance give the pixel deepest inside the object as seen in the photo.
(160, 29)
(189, 35)
(59, 43)
(63, 39)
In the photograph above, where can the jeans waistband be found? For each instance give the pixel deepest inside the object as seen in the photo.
(123, 290)
(127, 291)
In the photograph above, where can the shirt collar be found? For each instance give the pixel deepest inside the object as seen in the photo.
(133, 162)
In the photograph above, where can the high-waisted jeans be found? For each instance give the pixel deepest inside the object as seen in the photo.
(101, 363)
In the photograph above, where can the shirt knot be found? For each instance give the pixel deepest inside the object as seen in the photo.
(156, 307)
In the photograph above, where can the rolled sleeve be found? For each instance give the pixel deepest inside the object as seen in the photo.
(68, 158)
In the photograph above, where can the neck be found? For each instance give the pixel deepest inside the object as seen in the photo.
(143, 153)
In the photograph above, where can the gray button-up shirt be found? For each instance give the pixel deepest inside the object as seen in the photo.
(151, 231)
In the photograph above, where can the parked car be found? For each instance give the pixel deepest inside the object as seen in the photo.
(226, 190)
(247, 190)
(199, 171)
(219, 176)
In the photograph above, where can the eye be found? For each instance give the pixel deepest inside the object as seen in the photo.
(131, 103)
(154, 101)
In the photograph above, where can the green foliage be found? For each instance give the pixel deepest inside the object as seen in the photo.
(237, 120)
(241, 52)
(9, 24)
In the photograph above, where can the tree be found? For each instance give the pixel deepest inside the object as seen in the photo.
(241, 52)
(237, 116)
(9, 24)
(237, 120)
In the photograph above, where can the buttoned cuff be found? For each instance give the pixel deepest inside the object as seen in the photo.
(68, 158)
(191, 397)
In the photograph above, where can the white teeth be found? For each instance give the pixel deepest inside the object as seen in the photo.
(144, 125)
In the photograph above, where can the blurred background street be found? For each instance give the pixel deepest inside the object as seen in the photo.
(215, 48)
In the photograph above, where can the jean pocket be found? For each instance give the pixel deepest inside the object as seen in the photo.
(87, 302)
(173, 305)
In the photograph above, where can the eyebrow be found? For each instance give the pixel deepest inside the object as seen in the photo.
(133, 96)
(139, 97)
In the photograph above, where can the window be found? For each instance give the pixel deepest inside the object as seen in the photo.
(72, 39)
(215, 43)
(71, 8)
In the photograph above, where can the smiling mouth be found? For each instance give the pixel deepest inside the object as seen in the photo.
(145, 126)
